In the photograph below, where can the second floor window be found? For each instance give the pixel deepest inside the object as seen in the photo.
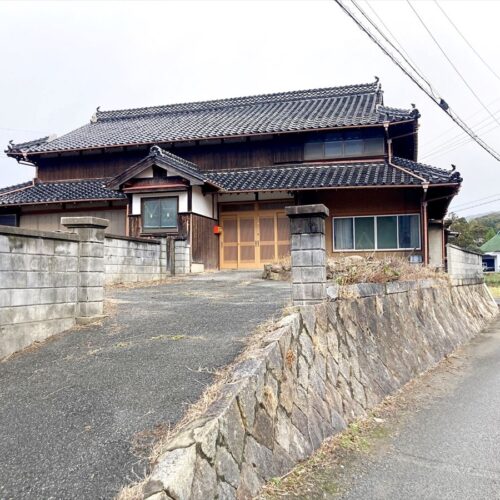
(159, 213)
(345, 144)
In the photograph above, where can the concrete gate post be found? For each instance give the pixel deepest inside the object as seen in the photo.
(91, 271)
(308, 251)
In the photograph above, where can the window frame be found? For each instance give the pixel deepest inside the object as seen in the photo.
(171, 229)
(16, 219)
(376, 249)
(364, 138)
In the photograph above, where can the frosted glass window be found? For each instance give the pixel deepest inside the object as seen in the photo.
(159, 213)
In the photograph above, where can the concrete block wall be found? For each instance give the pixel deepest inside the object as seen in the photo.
(308, 253)
(129, 260)
(182, 257)
(464, 267)
(51, 280)
(39, 278)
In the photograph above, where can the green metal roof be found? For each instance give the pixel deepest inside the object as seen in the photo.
(492, 245)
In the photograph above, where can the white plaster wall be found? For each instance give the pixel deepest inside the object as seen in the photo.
(236, 197)
(52, 222)
(275, 195)
(435, 246)
(202, 205)
(182, 195)
(145, 174)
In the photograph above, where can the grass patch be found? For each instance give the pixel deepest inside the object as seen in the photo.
(493, 282)
(321, 473)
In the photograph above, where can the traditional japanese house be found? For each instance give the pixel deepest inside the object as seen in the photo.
(220, 173)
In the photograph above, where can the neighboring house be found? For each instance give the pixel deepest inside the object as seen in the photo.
(491, 257)
(189, 170)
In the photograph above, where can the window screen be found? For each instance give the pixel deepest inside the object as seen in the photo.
(409, 231)
(387, 232)
(364, 228)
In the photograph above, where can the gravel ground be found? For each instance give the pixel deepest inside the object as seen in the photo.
(78, 413)
(450, 448)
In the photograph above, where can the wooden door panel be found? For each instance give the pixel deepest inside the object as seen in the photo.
(247, 241)
(267, 237)
(250, 239)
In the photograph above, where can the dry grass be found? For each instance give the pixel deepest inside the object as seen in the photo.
(357, 269)
(144, 284)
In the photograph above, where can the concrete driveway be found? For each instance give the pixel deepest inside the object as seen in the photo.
(78, 414)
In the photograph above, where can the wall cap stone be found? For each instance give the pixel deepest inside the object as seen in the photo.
(318, 210)
(93, 222)
(35, 233)
(131, 238)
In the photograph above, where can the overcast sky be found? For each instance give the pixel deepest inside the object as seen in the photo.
(60, 60)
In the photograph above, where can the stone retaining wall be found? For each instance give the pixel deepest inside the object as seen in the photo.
(319, 369)
(131, 260)
(38, 286)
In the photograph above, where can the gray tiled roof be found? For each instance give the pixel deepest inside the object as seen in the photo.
(352, 105)
(158, 156)
(15, 187)
(314, 176)
(62, 191)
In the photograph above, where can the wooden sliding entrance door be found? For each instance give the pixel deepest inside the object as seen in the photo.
(253, 238)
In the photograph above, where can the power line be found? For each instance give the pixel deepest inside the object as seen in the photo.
(420, 82)
(495, 74)
(451, 129)
(460, 139)
(402, 52)
(475, 206)
(463, 205)
(458, 145)
(457, 71)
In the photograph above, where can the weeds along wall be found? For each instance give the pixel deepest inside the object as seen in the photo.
(318, 369)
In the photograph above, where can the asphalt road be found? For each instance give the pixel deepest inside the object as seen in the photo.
(78, 413)
(449, 447)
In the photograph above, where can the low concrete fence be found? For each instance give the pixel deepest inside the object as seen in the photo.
(319, 369)
(51, 281)
(38, 286)
(464, 266)
(132, 260)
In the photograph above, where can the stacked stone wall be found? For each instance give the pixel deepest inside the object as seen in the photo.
(322, 367)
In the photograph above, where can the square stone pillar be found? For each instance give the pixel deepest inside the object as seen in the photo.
(308, 251)
(91, 269)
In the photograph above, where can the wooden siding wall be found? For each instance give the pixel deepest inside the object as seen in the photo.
(370, 201)
(286, 148)
(205, 244)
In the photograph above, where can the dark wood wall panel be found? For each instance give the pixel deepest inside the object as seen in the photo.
(208, 157)
(205, 244)
(87, 166)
